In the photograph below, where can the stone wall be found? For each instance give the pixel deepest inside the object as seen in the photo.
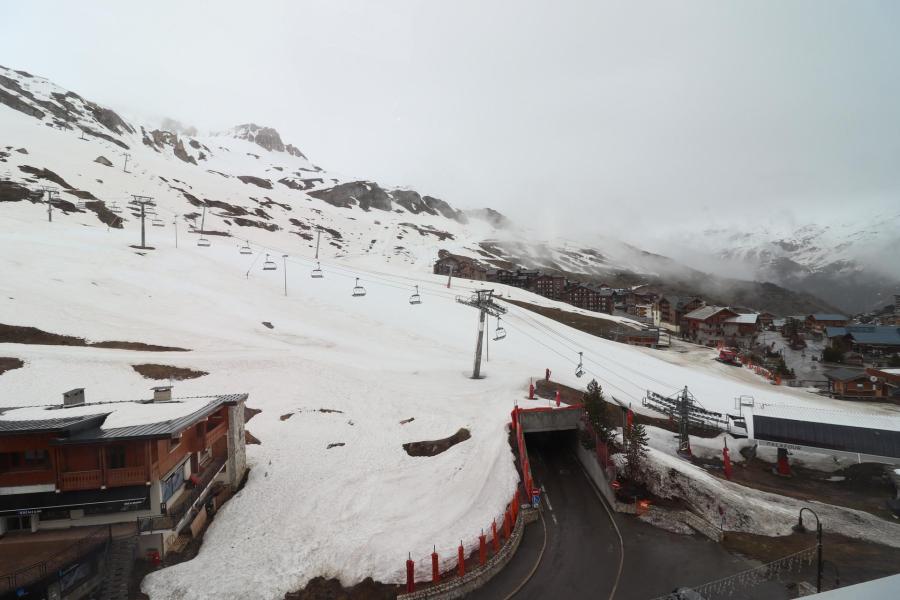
(460, 587)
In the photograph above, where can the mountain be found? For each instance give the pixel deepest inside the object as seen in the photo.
(851, 264)
(248, 184)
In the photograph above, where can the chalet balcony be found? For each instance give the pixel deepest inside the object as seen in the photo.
(126, 476)
(81, 480)
(35, 477)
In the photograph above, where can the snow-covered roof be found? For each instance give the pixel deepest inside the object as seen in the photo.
(745, 319)
(705, 312)
(106, 420)
(839, 417)
(845, 374)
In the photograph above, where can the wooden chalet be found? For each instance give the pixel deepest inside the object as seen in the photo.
(463, 267)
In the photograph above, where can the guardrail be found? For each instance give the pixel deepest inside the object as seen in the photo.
(37, 571)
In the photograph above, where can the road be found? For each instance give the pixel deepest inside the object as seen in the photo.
(581, 557)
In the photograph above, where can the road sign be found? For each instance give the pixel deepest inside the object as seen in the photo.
(535, 498)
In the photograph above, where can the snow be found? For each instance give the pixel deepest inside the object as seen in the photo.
(351, 511)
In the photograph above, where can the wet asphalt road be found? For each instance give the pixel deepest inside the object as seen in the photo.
(581, 558)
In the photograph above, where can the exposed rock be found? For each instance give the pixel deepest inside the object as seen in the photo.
(445, 209)
(163, 372)
(104, 214)
(258, 181)
(109, 119)
(366, 194)
(294, 151)
(181, 153)
(21, 150)
(9, 363)
(46, 174)
(13, 192)
(266, 137)
(249, 223)
(435, 447)
(412, 201)
(103, 161)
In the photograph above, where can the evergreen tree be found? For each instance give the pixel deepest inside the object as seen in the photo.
(597, 412)
(636, 451)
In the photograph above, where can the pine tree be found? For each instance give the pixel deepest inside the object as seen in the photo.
(636, 451)
(597, 413)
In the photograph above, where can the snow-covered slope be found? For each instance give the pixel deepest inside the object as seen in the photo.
(852, 264)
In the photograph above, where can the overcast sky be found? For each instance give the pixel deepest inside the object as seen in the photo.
(624, 116)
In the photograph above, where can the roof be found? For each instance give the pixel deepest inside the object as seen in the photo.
(871, 441)
(138, 419)
(876, 589)
(48, 500)
(828, 317)
(868, 334)
(705, 312)
(845, 374)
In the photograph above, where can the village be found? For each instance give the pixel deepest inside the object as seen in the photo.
(850, 358)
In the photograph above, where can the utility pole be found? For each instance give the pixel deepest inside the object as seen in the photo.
(450, 276)
(318, 235)
(482, 300)
(142, 202)
(125, 168)
(284, 261)
(50, 191)
(175, 225)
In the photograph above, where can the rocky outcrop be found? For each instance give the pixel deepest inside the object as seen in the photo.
(490, 215)
(445, 209)
(103, 161)
(257, 181)
(47, 175)
(265, 137)
(181, 153)
(412, 201)
(366, 194)
(294, 151)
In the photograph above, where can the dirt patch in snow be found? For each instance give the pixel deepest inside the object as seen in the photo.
(249, 413)
(251, 439)
(8, 364)
(15, 334)
(105, 215)
(320, 588)
(286, 416)
(435, 447)
(258, 181)
(589, 324)
(335, 445)
(45, 174)
(160, 372)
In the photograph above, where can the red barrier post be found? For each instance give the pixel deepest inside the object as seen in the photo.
(435, 570)
(482, 548)
(557, 398)
(410, 575)
(506, 522)
(461, 559)
(514, 418)
(531, 391)
(495, 541)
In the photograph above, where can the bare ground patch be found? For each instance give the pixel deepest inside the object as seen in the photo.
(17, 334)
(320, 588)
(435, 447)
(160, 372)
(8, 364)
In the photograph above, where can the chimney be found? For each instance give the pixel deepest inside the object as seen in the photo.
(73, 398)
(162, 393)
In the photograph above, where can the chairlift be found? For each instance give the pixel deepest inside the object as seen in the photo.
(245, 249)
(579, 370)
(157, 223)
(500, 332)
(358, 290)
(269, 265)
(415, 298)
(203, 242)
(81, 204)
(115, 208)
(317, 272)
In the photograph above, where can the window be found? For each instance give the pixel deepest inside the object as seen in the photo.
(115, 457)
(174, 443)
(173, 483)
(30, 460)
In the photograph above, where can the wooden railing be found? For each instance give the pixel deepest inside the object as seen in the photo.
(36, 477)
(81, 480)
(214, 434)
(126, 476)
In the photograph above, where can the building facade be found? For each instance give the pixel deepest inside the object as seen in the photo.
(74, 467)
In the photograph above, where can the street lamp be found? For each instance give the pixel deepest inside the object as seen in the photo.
(799, 528)
(284, 261)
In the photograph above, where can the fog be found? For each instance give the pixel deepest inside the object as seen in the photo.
(635, 119)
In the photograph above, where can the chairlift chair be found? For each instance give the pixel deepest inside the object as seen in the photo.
(269, 265)
(80, 204)
(317, 272)
(579, 370)
(203, 242)
(358, 290)
(245, 249)
(500, 332)
(415, 298)
(115, 208)
(157, 223)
